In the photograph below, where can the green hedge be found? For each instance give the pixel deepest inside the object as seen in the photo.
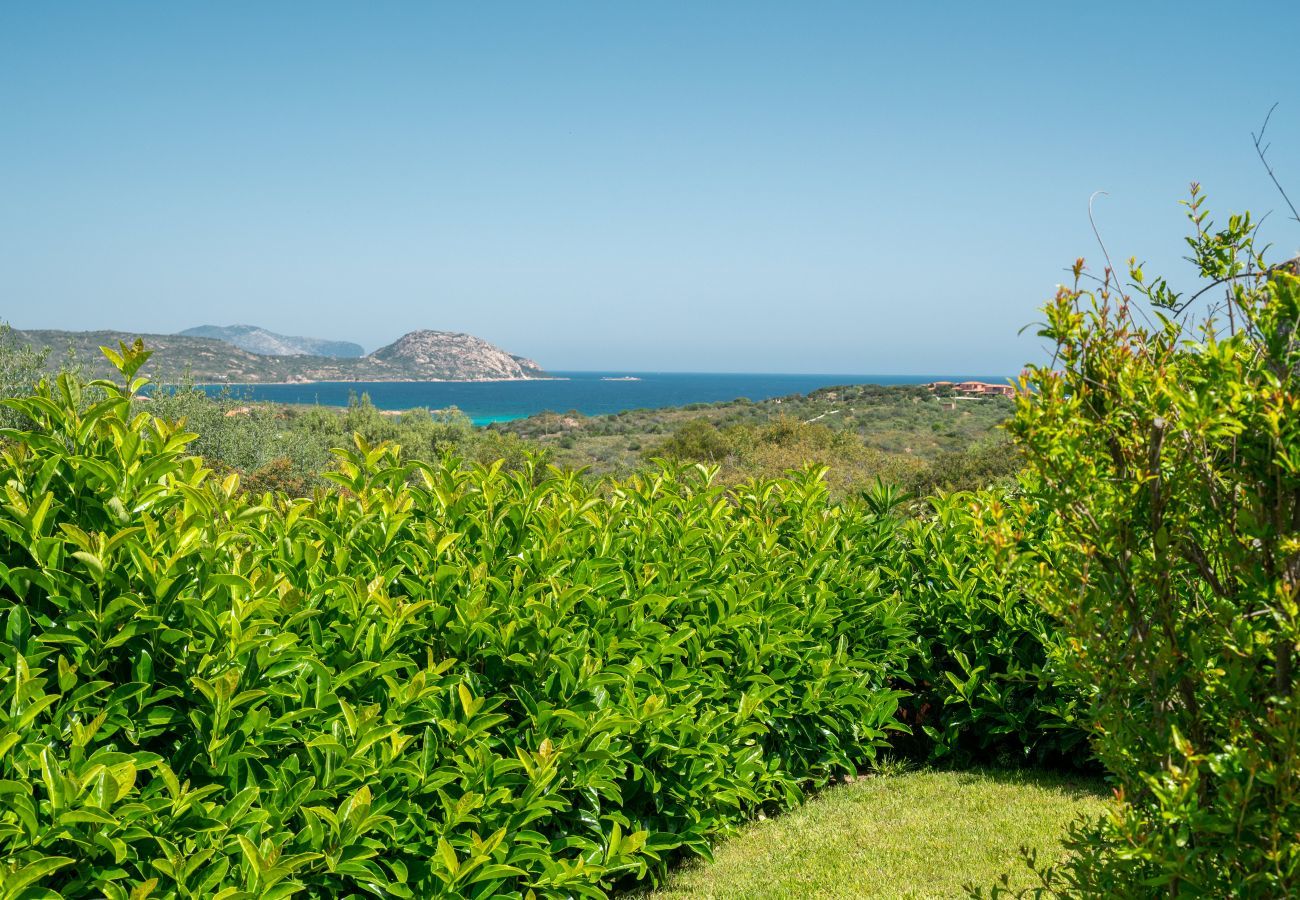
(988, 684)
(433, 681)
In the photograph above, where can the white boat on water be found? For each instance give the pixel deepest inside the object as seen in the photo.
(620, 378)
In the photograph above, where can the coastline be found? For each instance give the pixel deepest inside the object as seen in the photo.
(378, 381)
(587, 393)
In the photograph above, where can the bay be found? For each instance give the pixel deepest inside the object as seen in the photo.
(589, 393)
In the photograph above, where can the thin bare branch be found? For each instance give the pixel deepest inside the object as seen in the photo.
(1262, 149)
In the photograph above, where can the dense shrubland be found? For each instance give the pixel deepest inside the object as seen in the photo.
(902, 434)
(772, 448)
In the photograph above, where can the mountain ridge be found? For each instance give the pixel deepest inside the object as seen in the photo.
(263, 342)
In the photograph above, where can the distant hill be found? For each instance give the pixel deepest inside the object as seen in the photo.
(455, 356)
(417, 356)
(268, 343)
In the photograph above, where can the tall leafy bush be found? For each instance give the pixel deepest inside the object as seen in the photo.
(1167, 441)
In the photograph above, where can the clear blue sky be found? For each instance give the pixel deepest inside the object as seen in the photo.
(818, 187)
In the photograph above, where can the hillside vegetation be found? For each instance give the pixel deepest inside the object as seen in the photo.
(902, 434)
(905, 436)
(416, 356)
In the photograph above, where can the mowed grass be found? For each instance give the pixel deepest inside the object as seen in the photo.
(920, 834)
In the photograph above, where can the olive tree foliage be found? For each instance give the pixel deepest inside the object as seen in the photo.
(239, 436)
(1165, 439)
(287, 448)
(21, 367)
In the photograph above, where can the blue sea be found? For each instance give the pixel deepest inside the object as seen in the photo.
(590, 393)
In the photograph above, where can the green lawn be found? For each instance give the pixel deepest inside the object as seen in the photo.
(921, 834)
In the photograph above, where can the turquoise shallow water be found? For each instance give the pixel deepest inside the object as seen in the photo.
(590, 393)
